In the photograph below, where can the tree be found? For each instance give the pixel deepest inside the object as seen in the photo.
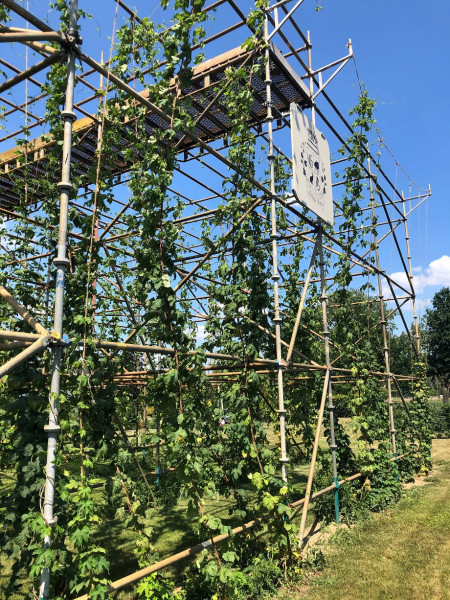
(438, 339)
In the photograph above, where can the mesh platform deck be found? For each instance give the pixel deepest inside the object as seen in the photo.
(287, 87)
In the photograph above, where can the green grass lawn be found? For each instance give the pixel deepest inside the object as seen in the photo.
(174, 533)
(172, 530)
(402, 554)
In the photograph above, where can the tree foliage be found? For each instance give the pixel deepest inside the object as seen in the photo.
(438, 339)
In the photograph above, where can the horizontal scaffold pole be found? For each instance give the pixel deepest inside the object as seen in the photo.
(171, 351)
(19, 336)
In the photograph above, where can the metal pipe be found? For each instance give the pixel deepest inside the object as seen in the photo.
(23, 106)
(335, 63)
(171, 351)
(283, 21)
(302, 302)
(278, 4)
(19, 10)
(8, 35)
(23, 312)
(20, 336)
(331, 77)
(61, 262)
(8, 346)
(275, 274)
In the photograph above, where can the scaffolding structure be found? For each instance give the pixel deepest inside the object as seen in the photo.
(286, 76)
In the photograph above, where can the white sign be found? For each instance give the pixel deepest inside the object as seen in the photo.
(311, 166)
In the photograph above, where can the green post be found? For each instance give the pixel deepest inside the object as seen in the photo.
(336, 499)
(397, 473)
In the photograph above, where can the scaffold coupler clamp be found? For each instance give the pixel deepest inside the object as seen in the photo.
(57, 339)
(73, 37)
(52, 428)
(52, 521)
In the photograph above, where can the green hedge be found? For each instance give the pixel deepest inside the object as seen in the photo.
(439, 418)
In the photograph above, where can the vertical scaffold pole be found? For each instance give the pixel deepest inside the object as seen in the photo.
(410, 277)
(326, 337)
(386, 350)
(61, 262)
(275, 276)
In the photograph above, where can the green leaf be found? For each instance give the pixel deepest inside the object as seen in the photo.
(229, 556)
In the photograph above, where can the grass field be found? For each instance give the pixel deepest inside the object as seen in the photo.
(402, 554)
(173, 533)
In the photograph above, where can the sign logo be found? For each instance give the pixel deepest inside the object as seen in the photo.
(311, 166)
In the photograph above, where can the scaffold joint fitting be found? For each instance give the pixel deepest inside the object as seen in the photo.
(51, 521)
(64, 185)
(61, 262)
(52, 428)
(69, 114)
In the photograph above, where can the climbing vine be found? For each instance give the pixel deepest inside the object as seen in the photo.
(178, 452)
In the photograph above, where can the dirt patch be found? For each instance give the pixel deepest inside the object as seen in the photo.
(318, 533)
(418, 481)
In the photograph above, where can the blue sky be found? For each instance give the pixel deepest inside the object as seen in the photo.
(402, 51)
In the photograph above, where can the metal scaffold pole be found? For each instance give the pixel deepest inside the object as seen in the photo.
(61, 262)
(410, 277)
(275, 274)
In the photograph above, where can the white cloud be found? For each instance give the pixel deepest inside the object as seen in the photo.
(201, 334)
(401, 278)
(438, 273)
